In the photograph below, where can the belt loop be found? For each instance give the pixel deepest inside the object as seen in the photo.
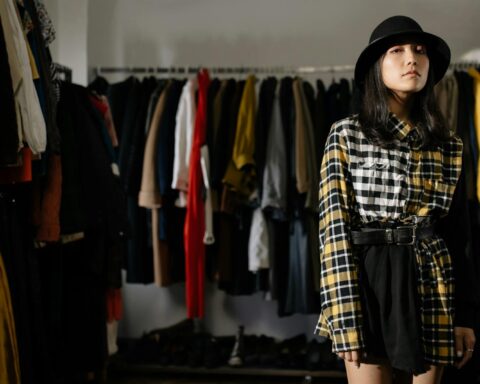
(389, 235)
(413, 227)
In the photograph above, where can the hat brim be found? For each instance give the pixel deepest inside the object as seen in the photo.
(437, 51)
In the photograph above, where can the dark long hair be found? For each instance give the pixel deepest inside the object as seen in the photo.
(374, 112)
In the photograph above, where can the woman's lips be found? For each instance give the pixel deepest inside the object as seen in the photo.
(412, 73)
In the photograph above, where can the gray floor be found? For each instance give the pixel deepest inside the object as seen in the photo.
(215, 380)
(190, 378)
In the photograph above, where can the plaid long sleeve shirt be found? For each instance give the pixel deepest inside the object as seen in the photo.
(361, 183)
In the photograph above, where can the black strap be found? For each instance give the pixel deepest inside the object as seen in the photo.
(404, 235)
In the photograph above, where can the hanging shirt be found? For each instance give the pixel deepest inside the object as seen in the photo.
(101, 104)
(258, 249)
(305, 159)
(30, 119)
(184, 125)
(274, 196)
(446, 94)
(245, 135)
(240, 172)
(361, 183)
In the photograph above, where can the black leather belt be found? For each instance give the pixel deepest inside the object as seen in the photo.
(402, 235)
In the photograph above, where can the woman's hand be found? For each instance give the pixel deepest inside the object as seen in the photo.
(351, 356)
(464, 345)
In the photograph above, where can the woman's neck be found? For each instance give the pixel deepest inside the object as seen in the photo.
(400, 105)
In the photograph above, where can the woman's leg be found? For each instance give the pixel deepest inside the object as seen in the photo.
(432, 376)
(368, 373)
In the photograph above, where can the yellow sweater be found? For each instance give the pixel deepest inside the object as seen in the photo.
(240, 174)
(476, 117)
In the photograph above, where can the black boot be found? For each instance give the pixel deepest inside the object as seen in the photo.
(183, 327)
(238, 352)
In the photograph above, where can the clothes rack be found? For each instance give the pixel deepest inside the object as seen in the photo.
(63, 71)
(248, 70)
(464, 65)
(224, 70)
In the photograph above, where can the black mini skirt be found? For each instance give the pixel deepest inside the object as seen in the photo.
(390, 305)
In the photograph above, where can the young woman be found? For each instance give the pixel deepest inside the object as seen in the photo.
(388, 174)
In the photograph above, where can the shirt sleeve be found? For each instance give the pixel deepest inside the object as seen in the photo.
(339, 290)
(456, 230)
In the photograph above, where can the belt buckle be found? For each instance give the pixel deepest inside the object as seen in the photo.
(414, 234)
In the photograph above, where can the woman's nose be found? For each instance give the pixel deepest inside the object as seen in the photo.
(411, 56)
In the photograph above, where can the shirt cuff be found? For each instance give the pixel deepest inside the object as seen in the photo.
(347, 339)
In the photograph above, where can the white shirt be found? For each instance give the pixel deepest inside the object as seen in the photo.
(30, 119)
(184, 127)
(258, 247)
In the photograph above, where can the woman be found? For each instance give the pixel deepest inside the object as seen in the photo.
(388, 174)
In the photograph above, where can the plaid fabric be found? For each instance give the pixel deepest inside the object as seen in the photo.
(362, 183)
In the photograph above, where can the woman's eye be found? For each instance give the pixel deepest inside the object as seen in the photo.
(395, 50)
(421, 49)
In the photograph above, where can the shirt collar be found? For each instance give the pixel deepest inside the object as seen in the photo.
(400, 129)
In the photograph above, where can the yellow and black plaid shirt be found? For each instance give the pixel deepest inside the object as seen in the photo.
(361, 183)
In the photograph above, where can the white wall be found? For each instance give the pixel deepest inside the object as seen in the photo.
(70, 46)
(147, 307)
(260, 32)
(249, 33)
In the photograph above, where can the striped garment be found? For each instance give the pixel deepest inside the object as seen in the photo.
(362, 183)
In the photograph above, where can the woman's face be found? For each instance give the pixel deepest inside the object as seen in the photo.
(405, 68)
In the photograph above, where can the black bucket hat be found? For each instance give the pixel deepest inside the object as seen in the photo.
(394, 28)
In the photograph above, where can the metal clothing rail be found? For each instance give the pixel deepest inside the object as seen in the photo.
(249, 70)
(464, 65)
(64, 72)
(225, 70)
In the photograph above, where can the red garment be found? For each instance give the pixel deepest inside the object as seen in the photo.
(114, 304)
(195, 218)
(20, 173)
(51, 197)
(100, 102)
